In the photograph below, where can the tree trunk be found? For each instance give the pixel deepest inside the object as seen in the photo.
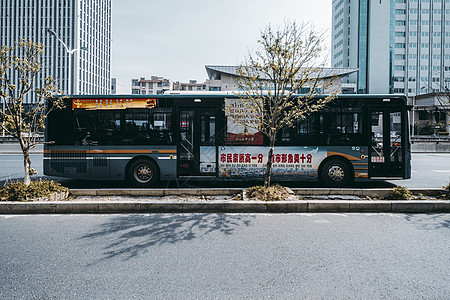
(269, 165)
(27, 167)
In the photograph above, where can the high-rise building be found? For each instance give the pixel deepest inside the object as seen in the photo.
(399, 46)
(82, 25)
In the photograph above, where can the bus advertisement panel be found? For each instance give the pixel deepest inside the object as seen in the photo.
(289, 163)
(238, 133)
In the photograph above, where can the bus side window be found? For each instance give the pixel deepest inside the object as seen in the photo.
(341, 126)
(148, 127)
(85, 127)
(305, 131)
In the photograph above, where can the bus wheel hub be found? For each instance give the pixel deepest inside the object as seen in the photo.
(144, 173)
(336, 173)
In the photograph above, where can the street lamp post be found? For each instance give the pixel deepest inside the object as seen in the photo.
(69, 52)
(413, 114)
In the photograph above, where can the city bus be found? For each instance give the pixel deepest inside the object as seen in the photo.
(149, 138)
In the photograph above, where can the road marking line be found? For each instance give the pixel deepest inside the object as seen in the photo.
(441, 171)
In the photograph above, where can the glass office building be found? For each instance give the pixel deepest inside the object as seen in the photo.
(80, 24)
(399, 46)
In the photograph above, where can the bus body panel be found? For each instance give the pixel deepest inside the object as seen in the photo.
(105, 162)
(196, 139)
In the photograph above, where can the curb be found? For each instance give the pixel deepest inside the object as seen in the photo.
(232, 191)
(156, 192)
(310, 206)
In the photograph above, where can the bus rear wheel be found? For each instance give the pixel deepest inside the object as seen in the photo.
(143, 173)
(335, 173)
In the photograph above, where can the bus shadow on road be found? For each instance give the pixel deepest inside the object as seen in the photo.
(128, 236)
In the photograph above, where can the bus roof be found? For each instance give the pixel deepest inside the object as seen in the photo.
(226, 95)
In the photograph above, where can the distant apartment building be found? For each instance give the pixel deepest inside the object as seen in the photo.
(80, 24)
(113, 86)
(153, 86)
(192, 85)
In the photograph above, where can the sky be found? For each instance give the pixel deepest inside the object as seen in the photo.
(175, 39)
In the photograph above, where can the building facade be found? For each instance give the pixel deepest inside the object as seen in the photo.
(83, 25)
(223, 78)
(399, 46)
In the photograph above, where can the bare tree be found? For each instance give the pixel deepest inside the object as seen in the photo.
(286, 60)
(19, 67)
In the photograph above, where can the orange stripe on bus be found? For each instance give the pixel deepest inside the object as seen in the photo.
(349, 157)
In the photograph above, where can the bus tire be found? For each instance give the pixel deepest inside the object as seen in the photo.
(335, 173)
(143, 173)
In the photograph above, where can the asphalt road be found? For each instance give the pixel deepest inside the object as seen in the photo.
(429, 170)
(225, 256)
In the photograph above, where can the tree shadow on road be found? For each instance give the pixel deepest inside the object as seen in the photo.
(131, 235)
(429, 221)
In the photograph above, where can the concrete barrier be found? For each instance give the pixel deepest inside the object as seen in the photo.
(430, 147)
(14, 148)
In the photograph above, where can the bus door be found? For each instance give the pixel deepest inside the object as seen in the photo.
(197, 151)
(386, 145)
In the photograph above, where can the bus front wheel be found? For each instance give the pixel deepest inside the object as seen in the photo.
(143, 173)
(335, 173)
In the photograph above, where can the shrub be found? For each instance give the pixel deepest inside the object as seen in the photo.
(400, 193)
(272, 193)
(18, 191)
(446, 195)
